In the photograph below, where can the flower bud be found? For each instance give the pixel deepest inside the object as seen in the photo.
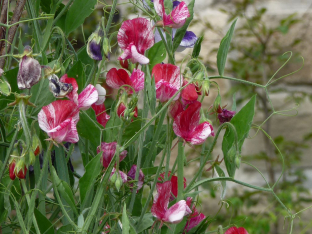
(106, 48)
(205, 86)
(29, 72)
(113, 178)
(124, 64)
(20, 169)
(11, 170)
(237, 162)
(217, 102)
(118, 182)
(36, 145)
(94, 45)
(220, 229)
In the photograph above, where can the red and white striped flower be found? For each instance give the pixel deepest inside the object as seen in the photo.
(174, 184)
(109, 150)
(189, 93)
(186, 125)
(134, 38)
(175, 19)
(168, 81)
(59, 120)
(194, 219)
(160, 209)
(101, 116)
(117, 78)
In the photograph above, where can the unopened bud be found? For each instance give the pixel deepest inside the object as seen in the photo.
(12, 169)
(113, 178)
(94, 45)
(237, 162)
(5, 87)
(20, 169)
(106, 47)
(217, 102)
(220, 229)
(118, 182)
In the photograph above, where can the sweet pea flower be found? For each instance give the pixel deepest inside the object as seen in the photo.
(86, 98)
(135, 37)
(167, 81)
(186, 125)
(59, 120)
(160, 209)
(131, 176)
(235, 230)
(189, 93)
(101, 94)
(174, 184)
(101, 116)
(94, 44)
(176, 18)
(175, 108)
(194, 219)
(225, 115)
(109, 150)
(117, 78)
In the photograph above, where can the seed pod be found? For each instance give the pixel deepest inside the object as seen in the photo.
(29, 72)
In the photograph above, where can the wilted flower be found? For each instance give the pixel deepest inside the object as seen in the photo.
(186, 125)
(176, 18)
(109, 150)
(235, 230)
(167, 81)
(117, 78)
(160, 209)
(195, 218)
(86, 98)
(29, 72)
(59, 120)
(135, 37)
(131, 175)
(225, 115)
(174, 184)
(94, 44)
(58, 88)
(101, 116)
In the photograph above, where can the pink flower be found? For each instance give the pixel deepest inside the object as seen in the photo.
(186, 125)
(160, 209)
(135, 37)
(175, 108)
(195, 218)
(176, 18)
(188, 94)
(117, 78)
(86, 98)
(131, 175)
(59, 120)
(123, 175)
(174, 184)
(109, 150)
(101, 116)
(167, 81)
(235, 230)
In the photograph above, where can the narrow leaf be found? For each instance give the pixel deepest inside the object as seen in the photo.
(125, 221)
(224, 49)
(223, 182)
(197, 47)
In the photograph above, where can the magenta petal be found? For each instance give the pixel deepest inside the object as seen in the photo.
(165, 90)
(176, 212)
(137, 80)
(117, 78)
(101, 116)
(87, 97)
(200, 133)
(180, 13)
(109, 150)
(161, 200)
(193, 222)
(122, 175)
(235, 230)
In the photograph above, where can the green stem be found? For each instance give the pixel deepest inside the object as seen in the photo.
(62, 12)
(171, 58)
(90, 79)
(8, 154)
(180, 170)
(111, 16)
(238, 80)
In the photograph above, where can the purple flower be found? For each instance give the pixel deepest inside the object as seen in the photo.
(131, 176)
(94, 45)
(225, 115)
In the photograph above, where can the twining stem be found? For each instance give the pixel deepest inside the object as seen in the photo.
(180, 169)
(238, 80)
(111, 16)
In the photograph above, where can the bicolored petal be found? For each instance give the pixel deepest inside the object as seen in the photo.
(117, 78)
(101, 94)
(175, 108)
(65, 131)
(188, 40)
(180, 14)
(159, 7)
(235, 230)
(136, 57)
(73, 95)
(101, 116)
(131, 175)
(87, 97)
(29, 73)
(199, 134)
(176, 212)
(161, 200)
(193, 222)
(109, 150)
(189, 94)
(137, 80)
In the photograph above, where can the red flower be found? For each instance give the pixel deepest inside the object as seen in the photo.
(176, 18)
(86, 98)
(117, 78)
(160, 209)
(167, 81)
(101, 116)
(235, 230)
(186, 125)
(11, 170)
(122, 108)
(21, 174)
(135, 37)
(59, 120)
(109, 150)
(174, 184)
(195, 218)
(131, 175)
(189, 94)
(175, 108)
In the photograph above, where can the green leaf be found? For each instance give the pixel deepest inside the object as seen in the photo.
(181, 31)
(65, 191)
(61, 165)
(224, 49)
(197, 47)
(223, 182)
(93, 169)
(156, 54)
(77, 13)
(93, 130)
(242, 122)
(45, 226)
(131, 130)
(146, 222)
(78, 73)
(5, 88)
(125, 221)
